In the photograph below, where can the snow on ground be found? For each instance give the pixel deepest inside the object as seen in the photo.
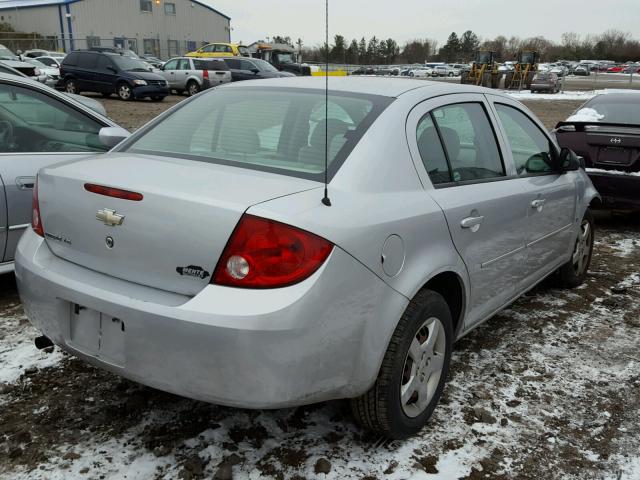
(612, 172)
(17, 353)
(549, 388)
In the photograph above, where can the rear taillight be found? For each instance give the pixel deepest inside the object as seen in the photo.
(36, 220)
(113, 192)
(263, 253)
(205, 73)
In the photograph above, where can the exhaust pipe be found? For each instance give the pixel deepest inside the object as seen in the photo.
(42, 342)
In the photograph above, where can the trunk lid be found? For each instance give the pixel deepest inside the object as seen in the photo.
(173, 237)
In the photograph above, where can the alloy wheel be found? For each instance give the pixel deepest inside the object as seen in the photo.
(582, 250)
(423, 367)
(70, 86)
(124, 92)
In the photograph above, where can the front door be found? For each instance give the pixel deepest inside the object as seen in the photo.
(169, 71)
(551, 195)
(484, 205)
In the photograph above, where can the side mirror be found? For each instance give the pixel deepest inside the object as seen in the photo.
(112, 136)
(254, 71)
(568, 161)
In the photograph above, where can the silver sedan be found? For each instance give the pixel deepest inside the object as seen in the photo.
(203, 257)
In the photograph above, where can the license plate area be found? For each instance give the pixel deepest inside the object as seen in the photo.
(96, 334)
(614, 156)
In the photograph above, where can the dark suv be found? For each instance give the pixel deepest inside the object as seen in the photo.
(108, 73)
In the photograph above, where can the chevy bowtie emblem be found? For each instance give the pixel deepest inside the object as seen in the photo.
(109, 217)
(616, 140)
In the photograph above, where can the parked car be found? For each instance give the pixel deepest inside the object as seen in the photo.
(457, 68)
(605, 131)
(442, 71)
(220, 50)
(559, 70)
(53, 62)
(155, 62)
(38, 127)
(6, 54)
(582, 70)
(253, 69)
(109, 73)
(545, 82)
(368, 291)
(120, 51)
(43, 53)
(94, 105)
(52, 73)
(420, 72)
(31, 71)
(634, 69)
(192, 75)
(616, 68)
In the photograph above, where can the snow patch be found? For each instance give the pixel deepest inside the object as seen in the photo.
(586, 115)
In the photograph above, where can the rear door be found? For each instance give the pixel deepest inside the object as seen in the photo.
(484, 203)
(169, 71)
(86, 71)
(551, 195)
(37, 130)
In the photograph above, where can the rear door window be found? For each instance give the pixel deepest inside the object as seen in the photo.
(71, 59)
(184, 64)
(87, 60)
(457, 144)
(232, 63)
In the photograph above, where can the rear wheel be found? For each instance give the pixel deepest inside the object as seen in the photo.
(193, 88)
(495, 80)
(450, 74)
(413, 371)
(508, 80)
(574, 272)
(125, 92)
(464, 77)
(70, 86)
(486, 80)
(529, 79)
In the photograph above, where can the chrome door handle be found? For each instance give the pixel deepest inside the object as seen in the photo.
(472, 223)
(25, 183)
(538, 204)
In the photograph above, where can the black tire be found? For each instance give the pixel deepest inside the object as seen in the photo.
(381, 409)
(70, 86)
(193, 88)
(450, 74)
(508, 80)
(464, 77)
(495, 80)
(122, 90)
(570, 275)
(486, 80)
(529, 79)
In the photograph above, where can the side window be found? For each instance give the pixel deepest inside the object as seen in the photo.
(469, 142)
(71, 60)
(104, 63)
(431, 151)
(171, 65)
(184, 64)
(232, 63)
(31, 121)
(87, 60)
(208, 48)
(531, 149)
(246, 65)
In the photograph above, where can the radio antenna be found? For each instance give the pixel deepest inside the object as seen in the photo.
(326, 200)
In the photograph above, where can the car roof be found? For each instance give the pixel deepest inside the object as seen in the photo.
(382, 86)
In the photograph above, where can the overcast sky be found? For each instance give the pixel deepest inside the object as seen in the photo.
(407, 19)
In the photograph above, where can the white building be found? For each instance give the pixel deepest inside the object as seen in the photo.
(162, 28)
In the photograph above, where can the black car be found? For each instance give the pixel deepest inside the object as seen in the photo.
(252, 69)
(108, 73)
(605, 131)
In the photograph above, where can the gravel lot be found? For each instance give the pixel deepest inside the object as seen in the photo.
(549, 388)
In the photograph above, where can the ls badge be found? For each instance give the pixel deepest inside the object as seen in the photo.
(109, 217)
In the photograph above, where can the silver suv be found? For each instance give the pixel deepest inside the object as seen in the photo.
(192, 75)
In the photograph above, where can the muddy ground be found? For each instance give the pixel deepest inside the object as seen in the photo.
(549, 388)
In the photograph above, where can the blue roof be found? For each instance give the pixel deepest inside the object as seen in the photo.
(5, 4)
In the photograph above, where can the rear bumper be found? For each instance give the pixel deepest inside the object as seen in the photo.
(321, 339)
(617, 190)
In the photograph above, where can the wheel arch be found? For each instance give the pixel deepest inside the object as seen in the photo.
(451, 286)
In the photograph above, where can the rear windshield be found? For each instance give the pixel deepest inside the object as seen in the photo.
(621, 108)
(279, 130)
(210, 65)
